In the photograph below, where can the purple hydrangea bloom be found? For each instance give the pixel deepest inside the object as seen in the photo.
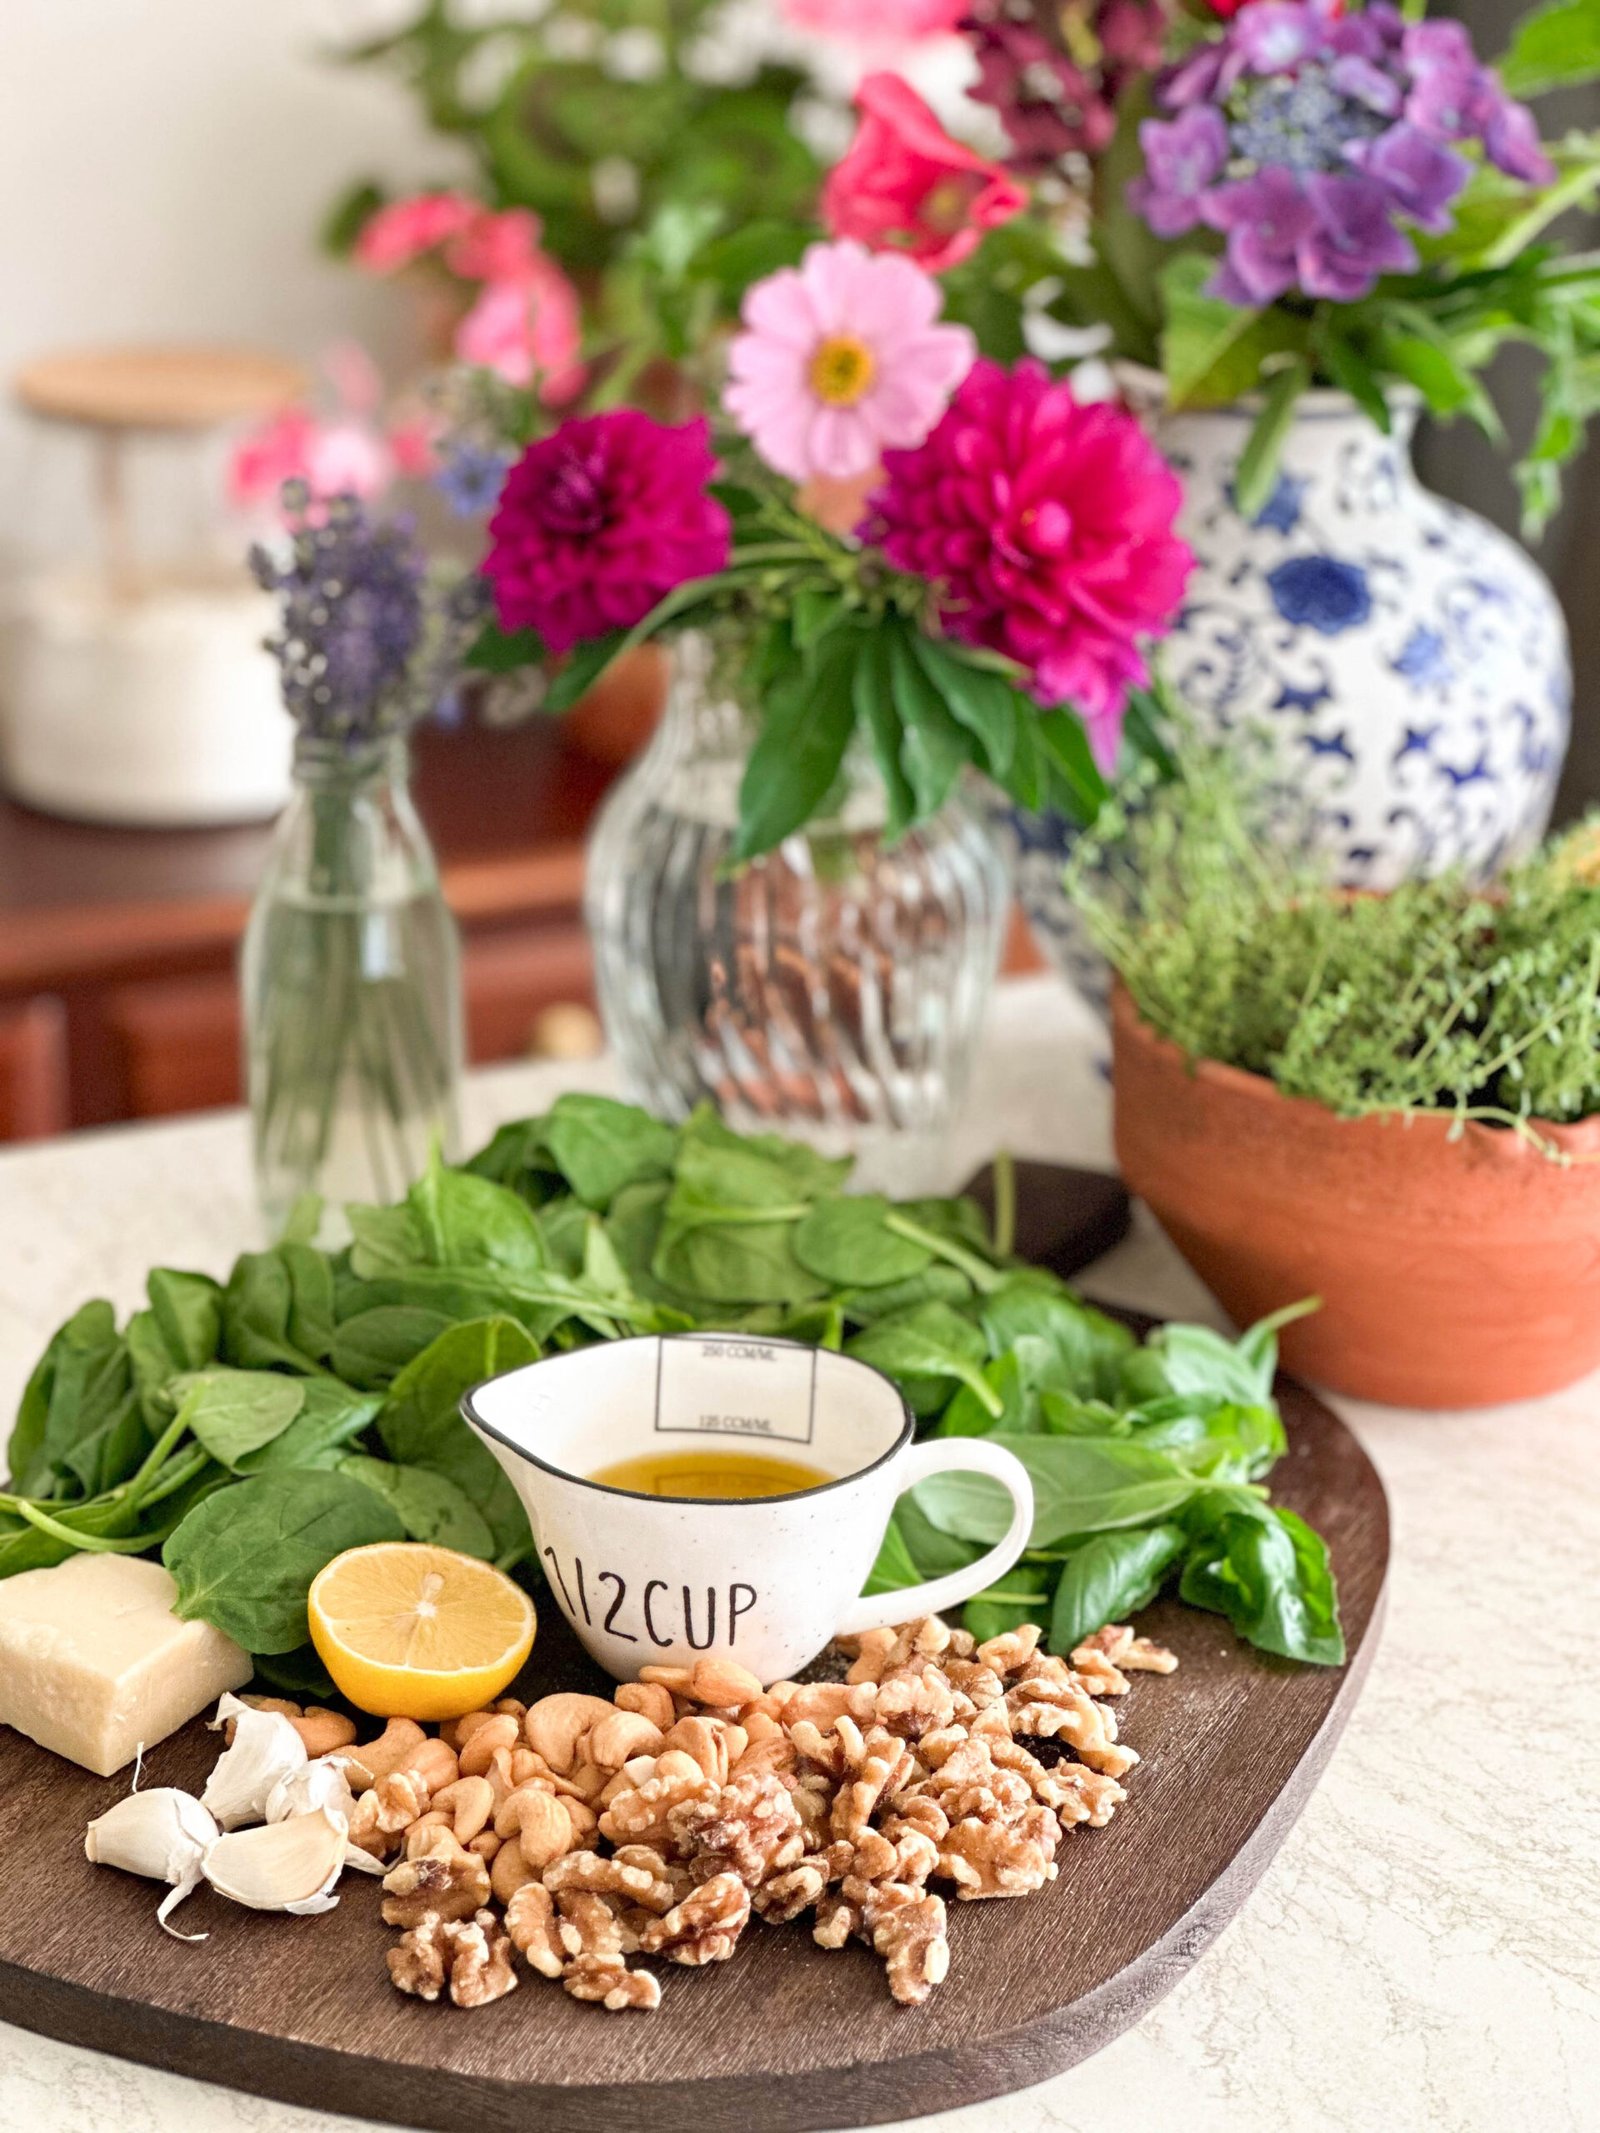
(1311, 138)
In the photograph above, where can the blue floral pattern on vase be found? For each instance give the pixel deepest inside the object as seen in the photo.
(1408, 660)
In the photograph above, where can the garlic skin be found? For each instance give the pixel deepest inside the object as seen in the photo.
(282, 1866)
(265, 1750)
(165, 1835)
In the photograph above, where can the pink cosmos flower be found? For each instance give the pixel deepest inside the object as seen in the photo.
(904, 184)
(404, 230)
(526, 328)
(875, 21)
(1047, 526)
(599, 521)
(840, 357)
(343, 446)
(495, 247)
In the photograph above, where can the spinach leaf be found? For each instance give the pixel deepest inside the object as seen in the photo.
(244, 1558)
(25, 1547)
(564, 1231)
(518, 1159)
(331, 1415)
(1265, 1569)
(300, 1674)
(1083, 1349)
(1109, 1577)
(755, 1169)
(938, 1284)
(187, 1309)
(1008, 1382)
(724, 1253)
(924, 1349)
(421, 1422)
(600, 1145)
(233, 1412)
(93, 1432)
(271, 1319)
(373, 1345)
(466, 1221)
(429, 1505)
(845, 1242)
(93, 1325)
(385, 1240)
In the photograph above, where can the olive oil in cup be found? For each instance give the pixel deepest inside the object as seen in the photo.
(726, 1475)
(726, 1494)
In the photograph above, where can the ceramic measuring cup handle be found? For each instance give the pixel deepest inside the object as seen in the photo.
(946, 1455)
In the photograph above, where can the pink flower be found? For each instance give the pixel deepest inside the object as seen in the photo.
(1047, 526)
(405, 229)
(599, 521)
(875, 21)
(905, 185)
(840, 357)
(495, 247)
(527, 328)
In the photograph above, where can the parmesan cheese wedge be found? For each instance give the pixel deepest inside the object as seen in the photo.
(95, 1665)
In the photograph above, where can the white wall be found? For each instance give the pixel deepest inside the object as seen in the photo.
(164, 166)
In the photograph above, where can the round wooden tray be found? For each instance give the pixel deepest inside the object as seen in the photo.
(784, 2034)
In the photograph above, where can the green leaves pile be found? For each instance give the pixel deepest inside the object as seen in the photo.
(249, 1431)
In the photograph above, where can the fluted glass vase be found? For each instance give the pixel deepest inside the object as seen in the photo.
(351, 976)
(834, 989)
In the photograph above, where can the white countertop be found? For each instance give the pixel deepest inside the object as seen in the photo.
(1423, 1955)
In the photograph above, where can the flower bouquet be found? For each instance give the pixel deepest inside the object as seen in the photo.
(1012, 557)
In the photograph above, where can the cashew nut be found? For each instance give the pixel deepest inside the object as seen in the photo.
(323, 1731)
(485, 1741)
(556, 1725)
(433, 1765)
(509, 1871)
(399, 1738)
(612, 1740)
(470, 1801)
(539, 1822)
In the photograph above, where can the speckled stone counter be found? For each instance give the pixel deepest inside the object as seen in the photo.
(1423, 1956)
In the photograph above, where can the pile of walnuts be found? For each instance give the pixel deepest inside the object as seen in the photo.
(657, 1823)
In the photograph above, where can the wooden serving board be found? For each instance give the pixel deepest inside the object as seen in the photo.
(784, 2034)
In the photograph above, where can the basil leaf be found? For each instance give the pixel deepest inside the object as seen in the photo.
(893, 1566)
(1268, 1572)
(1080, 1485)
(244, 1558)
(1110, 1577)
(1021, 1596)
(429, 1505)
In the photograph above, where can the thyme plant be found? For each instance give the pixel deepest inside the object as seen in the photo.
(1435, 997)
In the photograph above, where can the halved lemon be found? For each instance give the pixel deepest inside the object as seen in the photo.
(410, 1631)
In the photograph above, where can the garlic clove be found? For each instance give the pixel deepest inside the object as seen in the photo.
(283, 1866)
(265, 1750)
(320, 1783)
(324, 1782)
(164, 1835)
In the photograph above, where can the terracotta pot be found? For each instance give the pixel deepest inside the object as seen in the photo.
(1453, 1273)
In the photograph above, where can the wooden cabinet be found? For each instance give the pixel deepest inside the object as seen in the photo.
(117, 947)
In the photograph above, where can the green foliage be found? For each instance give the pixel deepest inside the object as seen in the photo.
(313, 1403)
(1434, 998)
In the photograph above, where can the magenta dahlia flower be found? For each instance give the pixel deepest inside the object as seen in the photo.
(600, 521)
(1309, 137)
(1047, 526)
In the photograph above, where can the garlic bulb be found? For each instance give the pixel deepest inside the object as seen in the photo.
(266, 1748)
(164, 1835)
(283, 1866)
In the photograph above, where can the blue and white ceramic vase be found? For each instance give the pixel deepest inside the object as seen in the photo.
(1408, 660)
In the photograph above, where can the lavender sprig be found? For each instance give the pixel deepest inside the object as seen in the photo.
(368, 644)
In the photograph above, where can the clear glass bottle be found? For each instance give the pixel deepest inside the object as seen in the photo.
(351, 975)
(835, 989)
